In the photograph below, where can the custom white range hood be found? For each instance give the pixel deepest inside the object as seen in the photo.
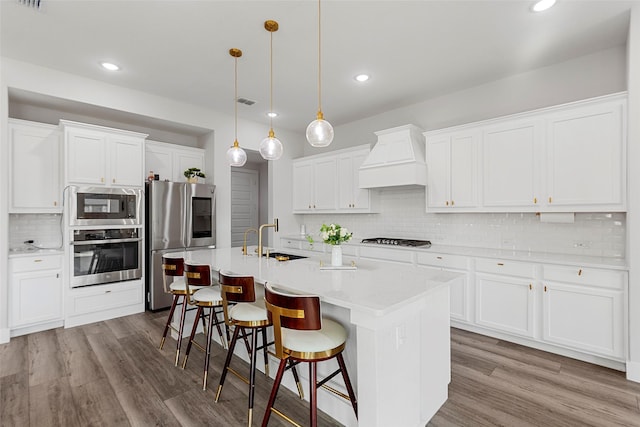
(397, 159)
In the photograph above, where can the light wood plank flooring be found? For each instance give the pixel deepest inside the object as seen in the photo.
(112, 374)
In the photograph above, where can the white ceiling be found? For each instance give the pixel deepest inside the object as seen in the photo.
(414, 50)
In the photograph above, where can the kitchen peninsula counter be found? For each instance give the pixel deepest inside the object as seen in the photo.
(400, 315)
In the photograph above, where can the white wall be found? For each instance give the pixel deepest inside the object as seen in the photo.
(633, 216)
(592, 75)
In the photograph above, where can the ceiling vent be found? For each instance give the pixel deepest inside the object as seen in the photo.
(246, 101)
(31, 3)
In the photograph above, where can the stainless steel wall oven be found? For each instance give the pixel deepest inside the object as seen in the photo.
(106, 255)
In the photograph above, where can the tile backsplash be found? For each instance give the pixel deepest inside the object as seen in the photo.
(44, 229)
(402, 215)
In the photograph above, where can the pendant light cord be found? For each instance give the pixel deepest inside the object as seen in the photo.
(271, 83)
(235, 100)
(319, 62)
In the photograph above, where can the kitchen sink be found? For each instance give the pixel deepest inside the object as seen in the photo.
(281, 256)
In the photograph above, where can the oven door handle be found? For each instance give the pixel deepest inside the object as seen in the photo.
(105, 241)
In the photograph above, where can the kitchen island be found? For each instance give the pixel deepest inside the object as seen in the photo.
(398, 351)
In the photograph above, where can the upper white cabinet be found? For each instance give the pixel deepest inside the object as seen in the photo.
(34, 150)
(512, 164)
(329, 183)
(452, 171)
(586, 162)
(102, 156)
(350, 195)
(169, 161)
(569, 158)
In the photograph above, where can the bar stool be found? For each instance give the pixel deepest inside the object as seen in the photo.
(206, 296)
(174, 268)
(302, 335)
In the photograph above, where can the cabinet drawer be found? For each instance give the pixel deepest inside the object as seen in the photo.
(444, 261)
(107, 297)
(511, 268)
(386, 254)
(35, 263)
(586, 276)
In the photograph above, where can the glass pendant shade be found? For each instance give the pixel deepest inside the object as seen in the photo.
(236, 156)
(319, 133)
(271, 147)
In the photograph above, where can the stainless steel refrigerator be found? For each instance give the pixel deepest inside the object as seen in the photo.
(179, 217)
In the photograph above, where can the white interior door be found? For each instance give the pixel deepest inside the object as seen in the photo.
(244, 205)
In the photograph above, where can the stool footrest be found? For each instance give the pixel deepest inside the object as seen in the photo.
(284, 416)
(237, 374)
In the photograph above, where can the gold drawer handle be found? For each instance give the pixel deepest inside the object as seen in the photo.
(550, 199)
(37, 260)
(580, 272)
(500, 264)
(530, 286)
(439, 257)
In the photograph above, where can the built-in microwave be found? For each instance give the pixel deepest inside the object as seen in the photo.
(98, 206)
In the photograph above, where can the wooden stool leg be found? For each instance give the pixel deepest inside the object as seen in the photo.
(207, 356)
(274, 392)
(313, 398)
(214, 313)
(193, 333)
(227, 362)
(166, 326)
(181, 328)
(347, 383)
(265, 353)
(297, 379)
(252, 373)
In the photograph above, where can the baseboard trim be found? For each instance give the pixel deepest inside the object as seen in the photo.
(633, 371)
(4, 335)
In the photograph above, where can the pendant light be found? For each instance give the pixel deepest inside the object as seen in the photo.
(236, 156)
(319, 131)
(271, 147)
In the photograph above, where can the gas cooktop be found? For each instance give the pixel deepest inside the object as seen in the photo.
(397, 242)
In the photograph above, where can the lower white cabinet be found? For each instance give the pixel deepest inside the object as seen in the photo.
(584, 309)
(459, 295)
(505, 297)
(35, 292)
(102, 302)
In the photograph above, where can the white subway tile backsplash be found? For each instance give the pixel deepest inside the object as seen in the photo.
(44, 229)
(402, 215)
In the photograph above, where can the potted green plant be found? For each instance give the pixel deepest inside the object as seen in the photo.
(192, 175)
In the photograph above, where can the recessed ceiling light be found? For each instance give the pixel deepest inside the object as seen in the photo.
(110, 66)
(362, 77)
(272, 114)
(543, 5)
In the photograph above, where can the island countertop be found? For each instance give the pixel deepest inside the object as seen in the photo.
(375, 287)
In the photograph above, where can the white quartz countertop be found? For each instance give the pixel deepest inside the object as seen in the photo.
(527, 256)
(376, 287)
(26, 251)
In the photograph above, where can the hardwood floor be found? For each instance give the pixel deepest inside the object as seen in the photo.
(112, 374)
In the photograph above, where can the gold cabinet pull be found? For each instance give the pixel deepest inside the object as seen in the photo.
(439, 257)
(500, 263)
(535, 200)
(101, 179)
(550, 199)
(545, 288)
(114, 180)
(580, 272)
(530, 286)
(447, 203)
(452, 203)
(37, 260)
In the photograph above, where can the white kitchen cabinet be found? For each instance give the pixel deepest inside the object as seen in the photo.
(350, 196)
(566, 158)
(505, 297)
(102, 302)
(459, 289)
(452, 170)
(583, 309)
(586, 162)
(314, 185)
(35, 293)
(34, 169)
(512, 165)
(102, 156)
(169, 161)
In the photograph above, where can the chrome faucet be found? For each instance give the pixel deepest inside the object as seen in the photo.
(244, 243)
(274, 225)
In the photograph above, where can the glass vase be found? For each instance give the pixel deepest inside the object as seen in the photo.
(336, 256)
